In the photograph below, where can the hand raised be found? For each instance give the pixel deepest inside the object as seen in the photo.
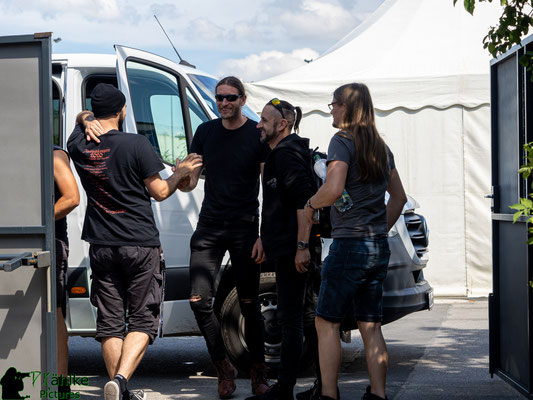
(188, 165)
(93, 129)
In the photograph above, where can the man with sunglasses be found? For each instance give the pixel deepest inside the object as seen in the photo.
(287, 183)
(233, 157)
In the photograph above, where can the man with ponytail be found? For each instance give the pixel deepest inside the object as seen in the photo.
(287, 184)
(360, 162)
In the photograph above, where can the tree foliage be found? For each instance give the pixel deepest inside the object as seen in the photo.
(514, 24)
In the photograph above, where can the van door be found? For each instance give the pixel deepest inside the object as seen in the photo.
(161, 105)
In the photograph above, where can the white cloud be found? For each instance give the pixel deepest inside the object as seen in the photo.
(265, 64)
(218, 30)
(204, 29)
(54, 9)
(316, 18)
(167, 10)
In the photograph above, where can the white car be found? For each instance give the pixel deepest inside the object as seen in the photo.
(166, 102)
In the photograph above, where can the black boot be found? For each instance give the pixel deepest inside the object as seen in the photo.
(371, 396)
(311, 393)
(276, 392)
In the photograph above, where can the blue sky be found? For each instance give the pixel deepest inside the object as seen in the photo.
(247, 38)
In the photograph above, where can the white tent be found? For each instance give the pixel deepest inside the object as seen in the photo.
(428, 74)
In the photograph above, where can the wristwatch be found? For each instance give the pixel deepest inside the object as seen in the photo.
(308, 204)
(301, 245)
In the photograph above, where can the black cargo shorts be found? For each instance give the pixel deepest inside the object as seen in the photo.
(126, 278)
(61, 275)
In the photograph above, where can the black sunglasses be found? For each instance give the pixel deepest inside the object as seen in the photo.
(228, 97)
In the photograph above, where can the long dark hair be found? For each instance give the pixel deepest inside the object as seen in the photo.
(359, 123)
(234, 82)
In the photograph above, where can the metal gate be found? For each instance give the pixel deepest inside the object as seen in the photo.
(27, 271)
(510, 319)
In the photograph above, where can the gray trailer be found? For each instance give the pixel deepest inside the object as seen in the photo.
(27, 290)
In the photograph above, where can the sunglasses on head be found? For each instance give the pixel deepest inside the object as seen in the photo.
(277, 105)
(228, 97)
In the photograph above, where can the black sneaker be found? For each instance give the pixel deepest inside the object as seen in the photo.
(311, 393)
(63, 392)
(371, 396)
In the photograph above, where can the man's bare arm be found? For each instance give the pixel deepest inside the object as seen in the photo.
(93, 128)
(303, 257)
(160, 189)
(64, 179)
(189, 182)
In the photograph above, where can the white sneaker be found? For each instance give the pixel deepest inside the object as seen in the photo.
(138, 395)
(112, 390)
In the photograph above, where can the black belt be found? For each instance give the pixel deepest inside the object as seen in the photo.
(240, 218)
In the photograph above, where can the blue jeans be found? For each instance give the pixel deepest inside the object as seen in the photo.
(353, 274)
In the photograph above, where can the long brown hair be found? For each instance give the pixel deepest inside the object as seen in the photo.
(233, 82)
(371, 154)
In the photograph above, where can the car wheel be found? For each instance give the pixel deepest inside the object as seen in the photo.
(232, 326)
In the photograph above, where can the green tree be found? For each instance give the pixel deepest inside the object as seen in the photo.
(513, 25)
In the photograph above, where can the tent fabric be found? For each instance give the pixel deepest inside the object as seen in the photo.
(428, 74)
(412, 53)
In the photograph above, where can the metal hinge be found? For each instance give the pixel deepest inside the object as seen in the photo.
(39, 259)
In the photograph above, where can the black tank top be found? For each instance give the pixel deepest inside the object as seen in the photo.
(61, 224)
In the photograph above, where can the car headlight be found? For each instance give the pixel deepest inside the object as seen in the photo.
(409, 206)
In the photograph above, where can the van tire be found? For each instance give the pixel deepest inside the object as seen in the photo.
(232, 327)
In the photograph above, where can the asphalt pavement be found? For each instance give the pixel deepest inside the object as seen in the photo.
(437, 354)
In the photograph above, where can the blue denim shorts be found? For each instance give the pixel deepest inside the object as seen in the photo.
(352, 276)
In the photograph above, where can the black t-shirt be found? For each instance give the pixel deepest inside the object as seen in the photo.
(119, 211)
(232, 161)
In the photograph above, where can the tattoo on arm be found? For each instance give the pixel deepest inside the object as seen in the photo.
(84, 116)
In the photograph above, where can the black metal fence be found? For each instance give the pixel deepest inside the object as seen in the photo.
(510, 319)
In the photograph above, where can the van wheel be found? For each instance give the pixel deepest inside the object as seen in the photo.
(232, 326)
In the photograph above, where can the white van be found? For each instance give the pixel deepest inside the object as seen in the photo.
(166, 102)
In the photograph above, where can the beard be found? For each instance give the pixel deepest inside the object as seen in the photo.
(121, 122)
(230, 113)
(270, 136)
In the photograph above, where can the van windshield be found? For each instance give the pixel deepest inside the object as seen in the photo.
(206, 86)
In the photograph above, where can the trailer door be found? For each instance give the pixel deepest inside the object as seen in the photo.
(27, 273)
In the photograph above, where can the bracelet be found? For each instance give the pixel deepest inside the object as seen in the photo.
(309, 204)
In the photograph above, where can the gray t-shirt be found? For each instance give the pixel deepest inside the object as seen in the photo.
(368, 216)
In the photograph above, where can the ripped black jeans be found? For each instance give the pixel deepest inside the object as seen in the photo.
(209, 242)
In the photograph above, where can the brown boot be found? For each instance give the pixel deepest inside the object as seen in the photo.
(258, 377)
(226, 378)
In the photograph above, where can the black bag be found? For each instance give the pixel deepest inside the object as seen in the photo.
(323, 228)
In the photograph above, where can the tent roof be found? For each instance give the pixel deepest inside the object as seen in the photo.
(411, 54)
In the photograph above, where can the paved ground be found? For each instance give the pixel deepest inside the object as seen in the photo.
(440, 354)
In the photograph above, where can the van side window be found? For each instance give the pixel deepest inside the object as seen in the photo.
(90, 82)
(195, 111)
(158, 110)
